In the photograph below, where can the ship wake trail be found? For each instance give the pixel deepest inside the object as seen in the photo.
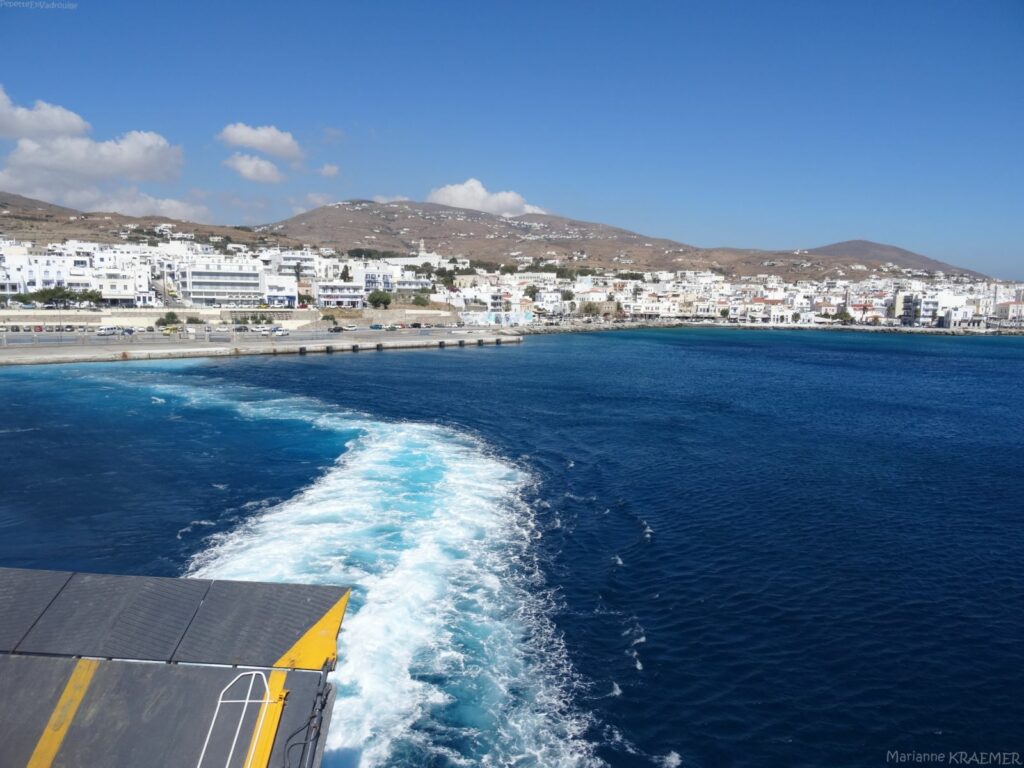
(448, 654)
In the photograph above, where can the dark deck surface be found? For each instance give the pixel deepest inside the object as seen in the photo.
(177, 672)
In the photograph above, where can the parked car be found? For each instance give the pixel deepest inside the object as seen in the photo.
(106, 330)
(280, 332)
(350, 327)
(376, 327)
(241, 329)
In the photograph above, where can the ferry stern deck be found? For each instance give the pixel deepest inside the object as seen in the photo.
(126, 671)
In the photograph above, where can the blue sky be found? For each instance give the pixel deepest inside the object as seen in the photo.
(774, 125)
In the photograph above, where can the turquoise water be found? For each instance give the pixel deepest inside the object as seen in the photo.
(695, 547)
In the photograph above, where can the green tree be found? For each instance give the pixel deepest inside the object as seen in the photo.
(568, 295)
(369, 254)
(420, 300)
(59, 295)
(346, 274)
(796, 317)
(531, 291)
(723, 312)
(591, 309)
(169, 318)
(379, 299)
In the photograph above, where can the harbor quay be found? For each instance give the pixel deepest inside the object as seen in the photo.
(87, 348)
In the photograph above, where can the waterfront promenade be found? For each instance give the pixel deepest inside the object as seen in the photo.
(77, 347)
(89, 348)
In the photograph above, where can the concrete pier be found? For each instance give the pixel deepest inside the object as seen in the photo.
(25, 354)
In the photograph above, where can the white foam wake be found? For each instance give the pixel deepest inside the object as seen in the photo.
(447, 654)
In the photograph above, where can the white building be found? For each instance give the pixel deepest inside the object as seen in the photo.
(225, 282)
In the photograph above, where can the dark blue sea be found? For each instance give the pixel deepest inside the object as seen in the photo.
(675, 548)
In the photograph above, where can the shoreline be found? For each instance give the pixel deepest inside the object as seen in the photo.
(172, 350)
(675, 324)
(122, 351)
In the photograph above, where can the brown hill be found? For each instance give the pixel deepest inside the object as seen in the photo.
(866, 251)
(399, 226)
(23, 218)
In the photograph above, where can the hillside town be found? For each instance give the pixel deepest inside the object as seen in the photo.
(168, 268)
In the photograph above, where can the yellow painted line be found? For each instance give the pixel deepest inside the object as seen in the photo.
(62, 715)
(320, 642)
(267, 721)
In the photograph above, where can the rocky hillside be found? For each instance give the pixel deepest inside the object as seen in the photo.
(23, 218)
(483, 236)
(399, 226)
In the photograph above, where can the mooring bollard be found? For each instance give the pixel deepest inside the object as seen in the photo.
(462, 342)
(355, 347)
(498, 342)
(328, 349)
(302, 350)
(479, 342)
(380, 347)
(440, 344)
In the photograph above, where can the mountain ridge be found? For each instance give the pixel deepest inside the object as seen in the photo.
(401, 225)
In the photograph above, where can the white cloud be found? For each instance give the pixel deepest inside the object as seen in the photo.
(137, 155)
(318, 199)
(472, 194)
(386, 199)
(310, 201)
(40, 120)
(254, 168)
(67, 170)
(52, 161)
(265, 138)
(329, 170)
(332, 135)
(131, 202)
